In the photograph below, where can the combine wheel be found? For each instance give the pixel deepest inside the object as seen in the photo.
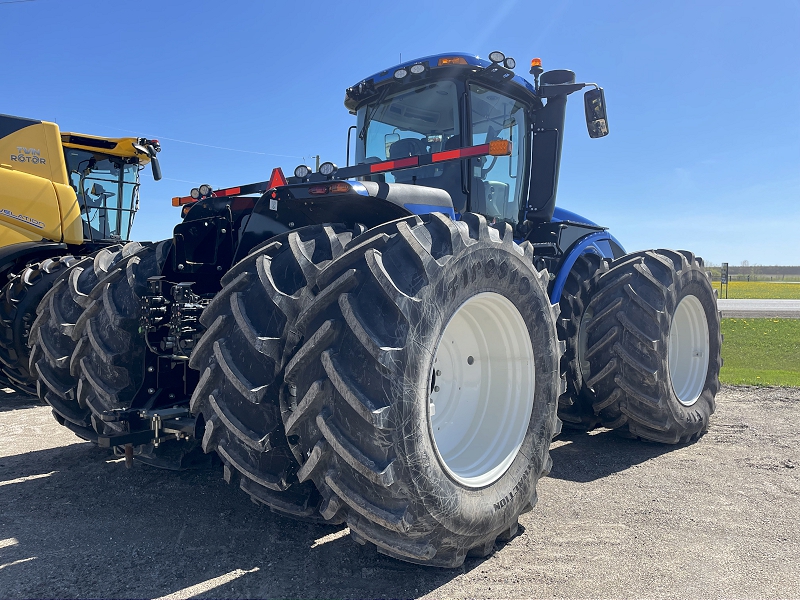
(575, 406)
(241, 358)
(654, 346)
(52, 342)
(20, 297)
(423, 397)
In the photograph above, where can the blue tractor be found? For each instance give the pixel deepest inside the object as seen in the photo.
(390, 344)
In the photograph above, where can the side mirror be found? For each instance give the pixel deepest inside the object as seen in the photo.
(154, 163)
(389, 139)
(594, 102)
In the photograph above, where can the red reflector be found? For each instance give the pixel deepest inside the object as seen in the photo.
(340, 188)
(276, 179)
(389, 165)
(318, 189)
(467, 152)
(227, 192)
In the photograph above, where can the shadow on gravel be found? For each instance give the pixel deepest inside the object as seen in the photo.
(13, 400)
(584, 457)
(75, 522)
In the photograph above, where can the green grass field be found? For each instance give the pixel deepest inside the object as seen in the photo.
(760, 289)
(761, 351)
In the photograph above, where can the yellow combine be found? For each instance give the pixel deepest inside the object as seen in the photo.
(63, 197)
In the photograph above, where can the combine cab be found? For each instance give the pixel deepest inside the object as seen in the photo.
(390, 344)
(64, 198)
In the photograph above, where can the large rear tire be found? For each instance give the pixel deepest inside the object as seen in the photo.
(110, 352)
(654, 346)
(241, 357)
(20, 297)
(53, 338)
(423, 397)
(575, 405)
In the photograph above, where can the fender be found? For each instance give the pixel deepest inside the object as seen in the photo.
(600, 242)
(26, 252)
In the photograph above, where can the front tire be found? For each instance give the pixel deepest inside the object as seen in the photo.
(406, 316)
(654, 346)
(575, 405)
(20, 297)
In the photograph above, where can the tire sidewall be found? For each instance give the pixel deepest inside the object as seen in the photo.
(491, 268)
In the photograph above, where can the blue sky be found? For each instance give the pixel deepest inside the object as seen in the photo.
(704, 97)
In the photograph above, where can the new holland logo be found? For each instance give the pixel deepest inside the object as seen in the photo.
(30, 155)
(23, 218)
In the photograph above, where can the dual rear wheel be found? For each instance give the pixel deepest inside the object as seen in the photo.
(416, 382)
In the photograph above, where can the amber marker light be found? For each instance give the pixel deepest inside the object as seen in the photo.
(452, 60)
(536, 62)
(339, 188)
(500, 148)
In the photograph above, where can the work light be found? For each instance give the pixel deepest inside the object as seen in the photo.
(327, 169)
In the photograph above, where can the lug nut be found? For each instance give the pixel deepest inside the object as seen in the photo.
(151, 390)
(438, 373)
(436, 388)
(181, 267)
(150, 369)
(470, 360)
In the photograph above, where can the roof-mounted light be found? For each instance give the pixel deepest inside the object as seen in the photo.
(195, 193)
(400, 73)
(536, 62)
(509, 63)
(417, 69)
(302, 171)
(452, 60)
(497, 56)
(205, 190)
(327, 169)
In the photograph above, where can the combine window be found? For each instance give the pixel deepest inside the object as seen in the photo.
(108, 193)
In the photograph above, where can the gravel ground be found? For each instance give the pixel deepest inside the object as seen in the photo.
(616, 518)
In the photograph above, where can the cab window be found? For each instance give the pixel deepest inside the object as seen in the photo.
(497, 180)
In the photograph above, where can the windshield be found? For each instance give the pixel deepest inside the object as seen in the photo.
(108, 193)
(426, 119)
(417, 121)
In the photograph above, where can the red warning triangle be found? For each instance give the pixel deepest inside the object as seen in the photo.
(276, 179)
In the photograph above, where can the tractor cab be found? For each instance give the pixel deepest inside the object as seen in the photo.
(451, 102)
(441, 104)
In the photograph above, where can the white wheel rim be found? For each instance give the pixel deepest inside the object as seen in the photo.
(482, 389)
(688, 350)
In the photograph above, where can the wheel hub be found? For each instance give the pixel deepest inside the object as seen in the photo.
(688, 350)
(482, 388)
